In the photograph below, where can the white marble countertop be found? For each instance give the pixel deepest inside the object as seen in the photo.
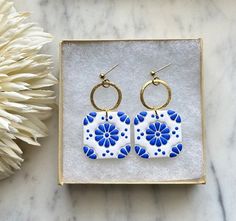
(33, 193)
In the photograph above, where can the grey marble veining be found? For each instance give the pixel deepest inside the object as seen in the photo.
(33, 194)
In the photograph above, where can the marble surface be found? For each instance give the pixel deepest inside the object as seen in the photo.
(33, 194)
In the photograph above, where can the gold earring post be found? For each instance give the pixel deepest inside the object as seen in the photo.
(103, 75)
(160, 69)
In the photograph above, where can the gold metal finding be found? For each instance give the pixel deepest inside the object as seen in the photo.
(106, 84)
(103, 75)
(156, 81)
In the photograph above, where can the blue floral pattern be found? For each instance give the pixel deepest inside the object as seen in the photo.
(141, 152)
(176, 150)
(140, 117)
(158, 134)
(89, 118)
(124, 151)
(89, 152)
(174, 116)
(123, 117)
(106, 135)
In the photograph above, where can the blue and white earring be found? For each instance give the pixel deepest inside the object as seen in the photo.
(106, 134)
(157, 132)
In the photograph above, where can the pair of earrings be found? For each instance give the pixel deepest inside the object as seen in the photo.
(106, 134)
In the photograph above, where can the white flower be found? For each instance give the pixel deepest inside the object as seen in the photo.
(25, 78)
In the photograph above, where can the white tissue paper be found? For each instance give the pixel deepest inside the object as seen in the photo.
(82, 61)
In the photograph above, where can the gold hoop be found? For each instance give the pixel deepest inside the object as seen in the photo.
(156, 81)
(106, 83)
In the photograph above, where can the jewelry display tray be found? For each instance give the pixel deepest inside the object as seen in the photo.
(81, 63)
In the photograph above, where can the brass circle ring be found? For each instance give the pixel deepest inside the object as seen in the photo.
(106, 85)
(155, 82)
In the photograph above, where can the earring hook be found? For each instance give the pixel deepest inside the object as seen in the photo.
(153, 73)
(103, 75)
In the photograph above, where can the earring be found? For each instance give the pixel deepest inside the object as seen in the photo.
(106, 133)
(157, 132)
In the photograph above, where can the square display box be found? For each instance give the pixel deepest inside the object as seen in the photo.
(81, 63)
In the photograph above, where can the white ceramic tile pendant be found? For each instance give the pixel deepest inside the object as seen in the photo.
(157, 134)
(106, 136)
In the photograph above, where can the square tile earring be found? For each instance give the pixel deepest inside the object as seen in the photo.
(106, 134)
(157, 132)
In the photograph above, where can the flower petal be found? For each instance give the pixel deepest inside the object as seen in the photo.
(157, 125)
(90, 119)
(98, 132)
(141, 118)
(178, 119)
(122, 118)
(112, 127)
(85, 121)
(153, 141)
(93, 114)
(165, 131)
(172, 117)
(127, 121)
(107, 143)
(170, 112)
(99, 137)
(166, 136)
(163, 140)
(106, 126)
(114, 137)
(101, 127)
(180, 146)
(152, 127)
(120, 113)
(143, 113)
(101, 142)
(114, 132)
(135, 121)
(163, 126)
(112, 141)
(149, 137)
(148, 131)
(158, 143)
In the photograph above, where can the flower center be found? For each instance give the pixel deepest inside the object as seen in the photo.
(106, 135)
(157, 134)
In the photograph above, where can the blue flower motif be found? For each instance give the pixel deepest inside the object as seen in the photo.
(123, 117)
(176, 150)
(141, 152)
(124, 152)
(89, 152)
(89, 118)
(106, 135)
(140, 117)
(157, 134)
(174, 116)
